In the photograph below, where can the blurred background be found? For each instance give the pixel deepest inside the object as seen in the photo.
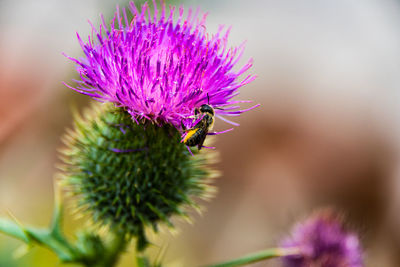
(327, 133)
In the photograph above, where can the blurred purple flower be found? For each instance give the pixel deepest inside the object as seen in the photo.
(323, 241)
(161, 70)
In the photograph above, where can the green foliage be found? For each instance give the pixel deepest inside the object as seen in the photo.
(129, 176)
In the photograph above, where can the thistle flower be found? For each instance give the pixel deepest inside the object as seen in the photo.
(161, 70)
(124, 160)
(322, 240)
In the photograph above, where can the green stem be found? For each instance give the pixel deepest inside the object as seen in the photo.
(48, 238)
(114, 249)
(258, 256)
(56, 242)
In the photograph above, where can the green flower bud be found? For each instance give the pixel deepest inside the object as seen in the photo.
(129, 176)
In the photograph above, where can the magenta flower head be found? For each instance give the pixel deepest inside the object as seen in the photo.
(322, 240)
(159, 69)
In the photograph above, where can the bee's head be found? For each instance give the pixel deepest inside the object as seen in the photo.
(207, 109)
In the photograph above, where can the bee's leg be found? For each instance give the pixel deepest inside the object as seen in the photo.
(183, 126)
(201, 142)
(192, 117)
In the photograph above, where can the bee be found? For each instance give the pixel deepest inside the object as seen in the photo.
(196, 135)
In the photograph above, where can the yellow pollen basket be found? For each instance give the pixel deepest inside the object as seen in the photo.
(189, 134)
